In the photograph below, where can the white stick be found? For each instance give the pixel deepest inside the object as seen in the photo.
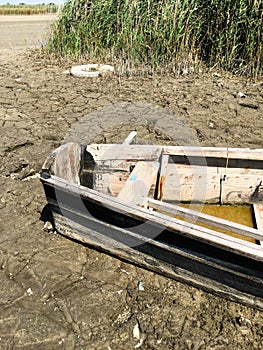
(130, 138)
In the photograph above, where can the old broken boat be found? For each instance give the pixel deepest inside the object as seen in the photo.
(141, 203)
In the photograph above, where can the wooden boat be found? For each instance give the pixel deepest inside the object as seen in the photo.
(126, 201)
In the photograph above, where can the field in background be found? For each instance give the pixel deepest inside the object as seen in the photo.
(24, 9)
(20, 32)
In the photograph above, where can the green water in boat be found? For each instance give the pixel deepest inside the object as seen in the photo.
(236, 213)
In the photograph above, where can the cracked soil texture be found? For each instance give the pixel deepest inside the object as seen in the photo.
(58, 294)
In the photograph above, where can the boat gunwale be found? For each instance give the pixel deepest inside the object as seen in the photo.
(227, 152)
(247, 249)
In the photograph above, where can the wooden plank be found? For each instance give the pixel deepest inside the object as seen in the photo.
(110, 182)
(162, 176)
(241, 188)
(188, 183)
(131, 237)
(240, 171)
(211, 184)
(258, 213)
(189, 151)
(66, 162)
(139, 182)
(206, 219)
(218, 152)
(107, 152)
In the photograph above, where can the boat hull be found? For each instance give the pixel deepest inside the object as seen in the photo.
(141, 241)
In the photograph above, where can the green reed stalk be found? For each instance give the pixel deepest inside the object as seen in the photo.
(163, 33)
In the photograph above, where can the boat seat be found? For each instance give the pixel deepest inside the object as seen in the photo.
(136, 188)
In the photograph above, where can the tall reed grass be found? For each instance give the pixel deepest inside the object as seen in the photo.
(163, 33)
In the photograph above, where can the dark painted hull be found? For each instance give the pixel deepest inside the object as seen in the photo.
(147, 244)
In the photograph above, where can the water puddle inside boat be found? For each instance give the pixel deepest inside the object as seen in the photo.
(238, 214)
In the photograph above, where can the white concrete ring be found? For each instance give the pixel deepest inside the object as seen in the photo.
(91, 70)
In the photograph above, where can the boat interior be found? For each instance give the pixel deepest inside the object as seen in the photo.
(218, 188)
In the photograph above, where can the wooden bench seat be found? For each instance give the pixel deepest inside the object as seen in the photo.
(139, 183)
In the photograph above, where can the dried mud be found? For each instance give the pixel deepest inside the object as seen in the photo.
(56, 293)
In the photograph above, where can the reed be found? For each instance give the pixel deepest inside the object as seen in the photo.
(173, 34)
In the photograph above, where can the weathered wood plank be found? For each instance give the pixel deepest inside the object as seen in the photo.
(191, 183)
(240, 171)
(139, 182)
(66, 163)
(110, 182)
(230, 153)
(162, 176)
(206, 219)
(238, 188)
(101, 152)
(212, 184)
(212, 237)
(258, 212)
(189, 151)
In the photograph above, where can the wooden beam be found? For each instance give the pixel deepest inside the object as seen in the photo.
(107, 152)
(258, 213)
(217, 152)
(191, 183)
(238, 188)
(162, 176)
(138, 184)
(189, 151)
(210, 184)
